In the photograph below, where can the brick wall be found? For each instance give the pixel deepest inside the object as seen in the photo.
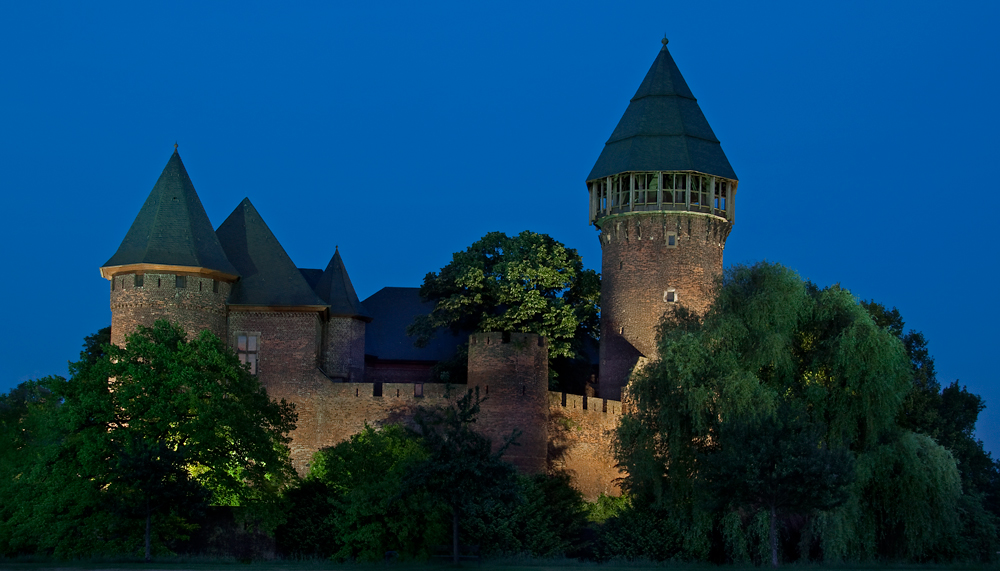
(638, 271)
(398, 372)
(580, 442)
(512, 373)
(195, 307)
(344, 348)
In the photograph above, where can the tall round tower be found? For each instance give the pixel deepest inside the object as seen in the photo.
(662, 196)
(170, 264)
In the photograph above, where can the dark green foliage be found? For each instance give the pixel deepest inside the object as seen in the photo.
(949, 416)
(461, 468)
(547, 519)
(120, 458)
(528, 283)
(776, 464)
(372, 507)
(774, 349)
(308, 530)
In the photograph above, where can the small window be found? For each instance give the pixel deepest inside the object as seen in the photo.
(112, 284)
(376, 389)
(157, 282)
(138, 280)
(246, 349)
(215, 286)
(181, 282)
(670, 296)
(671, 239)
(418, 389)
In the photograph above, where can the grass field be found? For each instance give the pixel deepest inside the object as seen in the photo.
(180, 564)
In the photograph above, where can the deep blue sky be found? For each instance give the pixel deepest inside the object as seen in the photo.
(863, 135)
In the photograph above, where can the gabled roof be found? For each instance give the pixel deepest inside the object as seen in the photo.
(392, 310)
(267, 275)
(172, 228)
(663, 129)
(335, 287)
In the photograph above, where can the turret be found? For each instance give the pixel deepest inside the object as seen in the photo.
(511, 371)
(170, 264)
(662, 196)
(344, 330)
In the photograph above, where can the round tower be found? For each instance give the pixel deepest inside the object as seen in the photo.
(170, 264)
(662, 196)
(511, 371)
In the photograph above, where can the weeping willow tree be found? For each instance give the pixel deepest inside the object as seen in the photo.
(774, 343)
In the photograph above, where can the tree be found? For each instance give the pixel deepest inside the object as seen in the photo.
(460, 468)
(370, 508)
(528, 283)
(769, 341)
(141, 426)
(776, 463)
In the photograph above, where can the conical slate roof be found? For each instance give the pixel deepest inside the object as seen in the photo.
(172, 228)
(267, 275)
(335, 288)
(663, 129)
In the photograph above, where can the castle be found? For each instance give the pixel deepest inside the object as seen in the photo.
(661, 195)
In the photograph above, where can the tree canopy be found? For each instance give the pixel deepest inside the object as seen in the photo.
(773, 343)
(528, 283)
(147, 431)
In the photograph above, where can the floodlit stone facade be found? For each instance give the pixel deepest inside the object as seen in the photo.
(661, 195)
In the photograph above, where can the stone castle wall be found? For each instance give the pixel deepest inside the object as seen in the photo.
(344, 348)
(640, 270)
(511, 372)
(580, 432)
(195, 307)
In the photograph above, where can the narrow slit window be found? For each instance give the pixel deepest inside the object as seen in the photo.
(137, 282)
(215, 286)
(418, 389)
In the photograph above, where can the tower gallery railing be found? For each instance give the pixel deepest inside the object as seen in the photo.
(661, 191)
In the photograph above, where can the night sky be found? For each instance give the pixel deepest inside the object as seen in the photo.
(863, 135)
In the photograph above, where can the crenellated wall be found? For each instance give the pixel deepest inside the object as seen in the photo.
(200, 304)
(511, 372)
(580, 434)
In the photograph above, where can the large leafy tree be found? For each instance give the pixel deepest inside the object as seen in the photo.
(771, 341)
(145, 432)
(461, 468)
(527, 283)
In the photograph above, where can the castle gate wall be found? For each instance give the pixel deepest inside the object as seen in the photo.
(195, 307)
(640, 273)
(580, 433)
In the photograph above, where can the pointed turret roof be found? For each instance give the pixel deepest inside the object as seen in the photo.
(172, 229)
(267, 275)
(335, 288)
(663, 129)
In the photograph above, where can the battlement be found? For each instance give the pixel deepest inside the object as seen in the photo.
(585, 404)
(518, 340)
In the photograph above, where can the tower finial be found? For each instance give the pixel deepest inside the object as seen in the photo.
(175, 146)
(664, 40)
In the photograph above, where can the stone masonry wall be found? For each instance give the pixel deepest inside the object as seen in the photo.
(579, 431)
(640, 270)
(344, 348)
(511, 372)
(195, 307)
